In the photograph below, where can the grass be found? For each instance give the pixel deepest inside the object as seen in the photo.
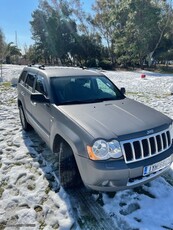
(164, 95)
(165, 69)
(42, 225)
(5, 85)
(31, 187)
(1, 191)
(160, 68)
(47, 190)
(38, 208)
(3, 186)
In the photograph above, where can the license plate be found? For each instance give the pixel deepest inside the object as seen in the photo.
(157, 166)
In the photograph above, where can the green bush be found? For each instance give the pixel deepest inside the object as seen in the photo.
(106, 64)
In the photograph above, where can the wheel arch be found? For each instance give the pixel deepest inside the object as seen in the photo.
(68, 135)
(56, 143)
(69, 174)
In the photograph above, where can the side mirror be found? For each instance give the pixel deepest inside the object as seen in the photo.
(39, 98)
(123, 90)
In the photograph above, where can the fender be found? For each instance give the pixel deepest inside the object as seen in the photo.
(74, 138)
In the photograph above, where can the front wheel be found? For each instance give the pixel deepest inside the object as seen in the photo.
(25, 125)
(68, 171)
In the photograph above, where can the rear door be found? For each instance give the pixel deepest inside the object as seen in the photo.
(27, 104)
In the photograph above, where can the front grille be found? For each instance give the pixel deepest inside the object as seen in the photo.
(145, 147)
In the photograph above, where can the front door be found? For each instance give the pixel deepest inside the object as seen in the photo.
(41, 111)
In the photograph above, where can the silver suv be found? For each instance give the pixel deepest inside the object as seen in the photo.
(100, 136)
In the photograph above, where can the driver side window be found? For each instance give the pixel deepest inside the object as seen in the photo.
(40, 86)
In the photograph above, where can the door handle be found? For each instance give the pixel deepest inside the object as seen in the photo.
(34, 103)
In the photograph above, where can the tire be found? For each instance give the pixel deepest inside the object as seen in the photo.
(25, 125)
(68, 171)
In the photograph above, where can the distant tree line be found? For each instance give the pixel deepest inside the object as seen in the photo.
(116, 33)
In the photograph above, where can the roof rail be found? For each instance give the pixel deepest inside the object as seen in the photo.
(41, 67)
(37, 66)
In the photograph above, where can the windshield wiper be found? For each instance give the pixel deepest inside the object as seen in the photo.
(96, 100)
(71, 102)
(104, 99)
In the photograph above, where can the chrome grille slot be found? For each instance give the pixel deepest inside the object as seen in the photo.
(168, 137)
(145, 147)
(137, 149)
(152, 144)
(159, 143)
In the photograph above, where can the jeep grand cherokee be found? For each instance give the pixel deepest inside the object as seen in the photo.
(100, 136)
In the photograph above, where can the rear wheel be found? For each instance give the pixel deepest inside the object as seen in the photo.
(68, 171)
(25, 125)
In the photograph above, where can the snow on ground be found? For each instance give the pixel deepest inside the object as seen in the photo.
(29, 201)
(26, 198)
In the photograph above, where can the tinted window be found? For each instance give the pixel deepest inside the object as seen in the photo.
(22, 77)
(84, 89)
(40, 85)
(30, 81)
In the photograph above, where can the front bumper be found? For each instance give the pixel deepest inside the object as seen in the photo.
(116, 175)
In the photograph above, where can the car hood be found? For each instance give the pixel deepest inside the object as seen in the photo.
(112, 119)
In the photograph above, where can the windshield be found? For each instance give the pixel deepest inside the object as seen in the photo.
(83, 89)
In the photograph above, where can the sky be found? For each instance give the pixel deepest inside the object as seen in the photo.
(15, 16)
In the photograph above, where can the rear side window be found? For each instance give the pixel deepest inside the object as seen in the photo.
(30, 81)
(22, 77)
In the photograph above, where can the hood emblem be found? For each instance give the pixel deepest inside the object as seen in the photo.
(150, 131)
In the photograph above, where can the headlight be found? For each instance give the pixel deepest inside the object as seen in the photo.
(102, 150)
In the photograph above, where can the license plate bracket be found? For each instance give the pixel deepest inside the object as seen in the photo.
(157, 166)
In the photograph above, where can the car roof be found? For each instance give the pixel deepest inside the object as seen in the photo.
(63, 71)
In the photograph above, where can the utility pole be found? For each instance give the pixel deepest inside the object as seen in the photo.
(2, 45)
(1, 69)
(1, 60)
(16, 39)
